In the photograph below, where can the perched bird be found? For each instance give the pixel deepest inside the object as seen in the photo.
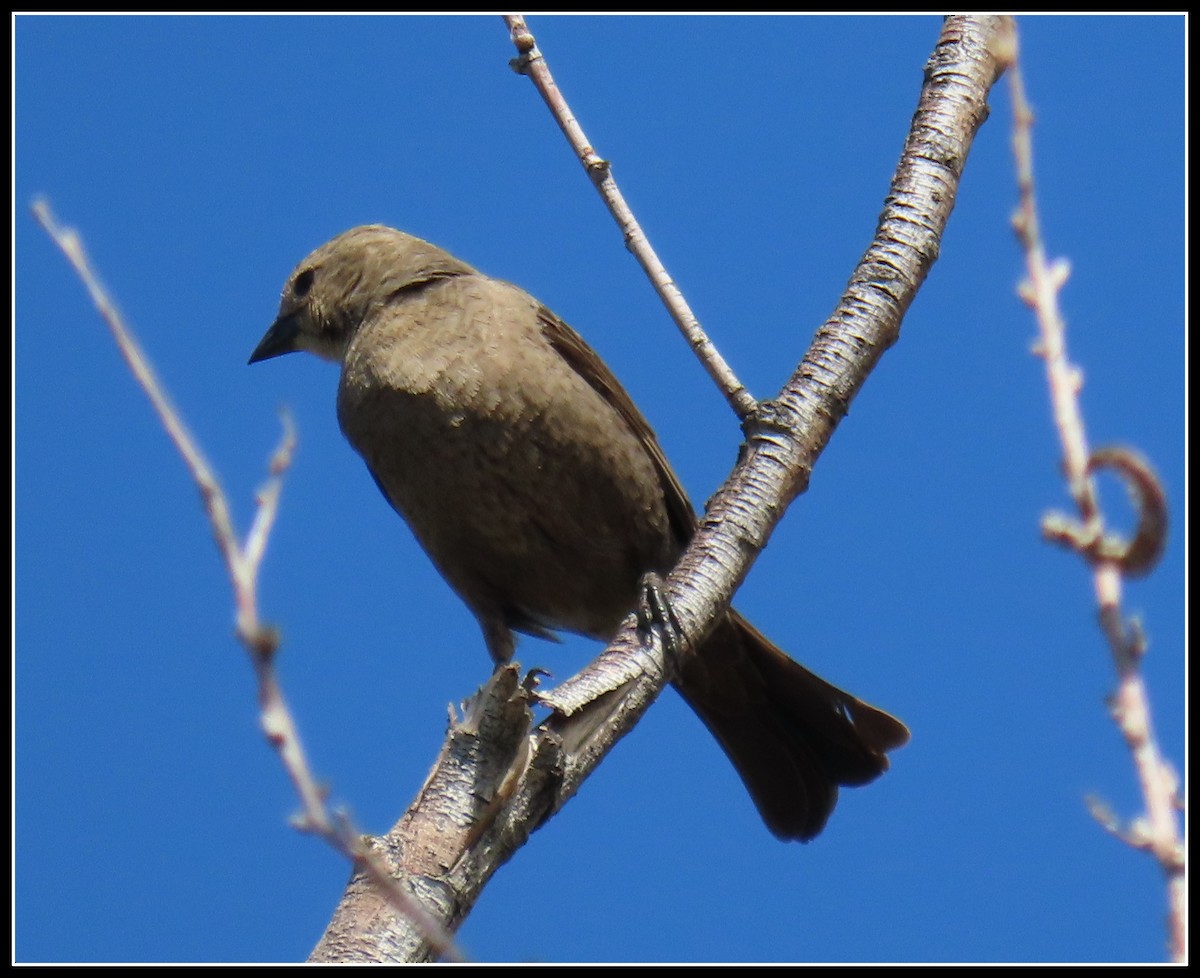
(542, 495)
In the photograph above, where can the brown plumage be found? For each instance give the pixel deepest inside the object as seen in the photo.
(541, 493)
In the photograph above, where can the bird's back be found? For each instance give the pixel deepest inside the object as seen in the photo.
(524, 484)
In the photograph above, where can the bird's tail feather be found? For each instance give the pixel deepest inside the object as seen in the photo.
(793, 737)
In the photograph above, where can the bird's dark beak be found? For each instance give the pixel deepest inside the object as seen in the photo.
(279, 339)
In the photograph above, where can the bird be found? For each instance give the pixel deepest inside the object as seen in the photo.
(541, 494)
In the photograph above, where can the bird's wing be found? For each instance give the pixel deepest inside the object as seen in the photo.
(587, 363)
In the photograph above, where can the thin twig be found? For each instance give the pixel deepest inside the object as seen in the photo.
(530, 62)
(1159, 831)
(261, 641)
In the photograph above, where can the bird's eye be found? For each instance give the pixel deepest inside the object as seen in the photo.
(303, 283)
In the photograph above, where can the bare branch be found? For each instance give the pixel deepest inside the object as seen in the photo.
(494, 784)
(787, 435)
(1159, 831)
(531, 62)
(261, 641)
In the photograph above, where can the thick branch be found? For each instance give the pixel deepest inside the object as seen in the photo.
(787, 435)
(483, 799)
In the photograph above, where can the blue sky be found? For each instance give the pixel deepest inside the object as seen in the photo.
(201, 158)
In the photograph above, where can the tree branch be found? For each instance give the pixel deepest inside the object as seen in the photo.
(1111, 559)
(487, 794)
(261, 641)
(787, 435)
(531, 62)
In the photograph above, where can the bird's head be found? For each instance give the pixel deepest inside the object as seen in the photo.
(345, 283)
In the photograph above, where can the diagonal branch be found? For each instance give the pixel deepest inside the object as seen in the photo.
(530, 62)
(497, 781)
(787, 435)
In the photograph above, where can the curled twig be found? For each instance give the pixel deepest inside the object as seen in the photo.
(1158, 831)
(1142, 554)
(1139, 555)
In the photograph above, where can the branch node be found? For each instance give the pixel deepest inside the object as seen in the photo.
(263, 641)
(770, 418)
(597, 166)
(522, 38)
(1059, 273)
(1141, 554)
(281, 458)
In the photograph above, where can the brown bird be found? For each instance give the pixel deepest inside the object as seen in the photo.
(541, 494)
